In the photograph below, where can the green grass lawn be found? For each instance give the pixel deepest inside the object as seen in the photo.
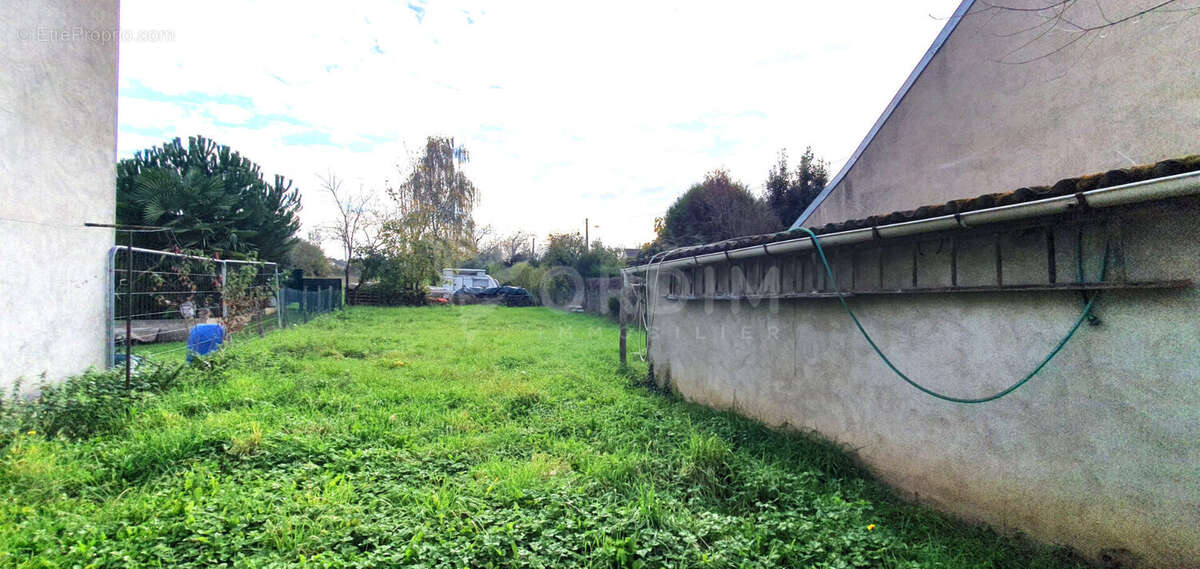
(473, 436)
(169, 351)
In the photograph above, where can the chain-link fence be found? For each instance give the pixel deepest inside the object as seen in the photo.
(158, 297)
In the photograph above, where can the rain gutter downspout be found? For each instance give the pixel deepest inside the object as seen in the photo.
(1147, 190)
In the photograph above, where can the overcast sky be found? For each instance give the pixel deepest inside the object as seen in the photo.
(569, 110)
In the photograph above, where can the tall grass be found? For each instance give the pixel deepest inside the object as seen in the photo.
(474, 436)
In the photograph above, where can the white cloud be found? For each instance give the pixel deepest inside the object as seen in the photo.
(569, 111)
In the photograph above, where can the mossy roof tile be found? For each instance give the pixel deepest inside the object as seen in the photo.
(1062, 187)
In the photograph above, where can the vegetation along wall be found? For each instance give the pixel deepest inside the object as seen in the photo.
(1100, 451)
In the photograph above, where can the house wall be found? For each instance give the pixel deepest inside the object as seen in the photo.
(58, 118)
(1101, 451)
(976, 121)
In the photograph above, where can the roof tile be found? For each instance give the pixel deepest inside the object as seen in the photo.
(1062, 187)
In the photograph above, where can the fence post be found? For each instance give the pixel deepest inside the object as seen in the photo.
(110, 310)
(621, 319)
(623, 360)
(262, 315)
(128, 307)
(279, 305)
(304, 302)
(224, 283)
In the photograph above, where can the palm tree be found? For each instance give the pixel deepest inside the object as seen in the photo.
(202, 214)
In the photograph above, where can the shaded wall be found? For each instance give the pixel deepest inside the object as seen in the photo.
(58, 118)
(599, 291)
(978, 120)
(1101, 451)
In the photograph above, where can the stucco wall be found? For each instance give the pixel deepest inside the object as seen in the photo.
(58, 117)
(1101, 451)
(977, 121)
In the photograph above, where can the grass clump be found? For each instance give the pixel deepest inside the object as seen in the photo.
(93, 403)
(504, 438)
(706, 465)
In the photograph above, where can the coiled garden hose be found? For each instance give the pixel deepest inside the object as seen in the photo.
(1087, 310)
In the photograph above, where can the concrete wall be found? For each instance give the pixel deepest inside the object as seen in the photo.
(976, 121)
(599, 291)
(58, 119)
(1101, 451)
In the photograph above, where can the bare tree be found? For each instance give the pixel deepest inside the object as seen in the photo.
(357, 226)
(1074, 21)
(481, 237)
(514, 244)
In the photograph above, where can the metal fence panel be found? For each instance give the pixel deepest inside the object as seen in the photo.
(157, 297)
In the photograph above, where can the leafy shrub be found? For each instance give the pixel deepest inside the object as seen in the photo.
(525, 276)
(84, 405)
(395, 280)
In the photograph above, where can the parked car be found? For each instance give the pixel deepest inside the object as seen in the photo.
(506, 295)
(466, 295)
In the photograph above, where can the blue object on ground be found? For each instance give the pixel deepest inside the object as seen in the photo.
(203, 339)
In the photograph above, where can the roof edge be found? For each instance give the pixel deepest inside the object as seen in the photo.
(941, 38)
(1151, 189)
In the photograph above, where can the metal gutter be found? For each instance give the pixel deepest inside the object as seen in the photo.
(887, 113)
(1147, 190)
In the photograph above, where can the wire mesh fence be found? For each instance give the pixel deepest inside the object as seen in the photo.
(300, 304)
(157, 299)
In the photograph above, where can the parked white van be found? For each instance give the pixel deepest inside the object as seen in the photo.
(458, 279)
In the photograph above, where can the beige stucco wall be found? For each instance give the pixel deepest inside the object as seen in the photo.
(1101, 451)
(58, 119)
(976, 122)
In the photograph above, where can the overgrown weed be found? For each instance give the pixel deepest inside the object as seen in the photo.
(505, 438)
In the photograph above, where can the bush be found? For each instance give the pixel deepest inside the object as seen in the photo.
(84, 405)
(394, 296)
(525, 276)
(614, 306)
(394, 280)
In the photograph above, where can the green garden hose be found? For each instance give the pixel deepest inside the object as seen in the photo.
(1087, 310)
